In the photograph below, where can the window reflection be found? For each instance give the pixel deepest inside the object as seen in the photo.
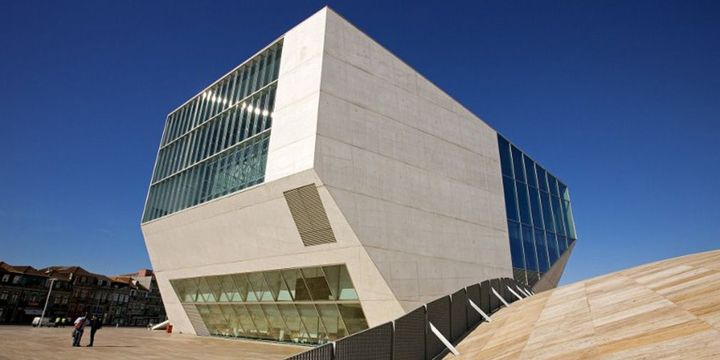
(216, 144)
(307, 305)
(540, 221)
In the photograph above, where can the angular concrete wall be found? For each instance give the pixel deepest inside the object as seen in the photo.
(416, 175)
(410, 181)
(253, 230)
(292, 138)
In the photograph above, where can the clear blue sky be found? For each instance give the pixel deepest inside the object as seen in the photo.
(620, 99)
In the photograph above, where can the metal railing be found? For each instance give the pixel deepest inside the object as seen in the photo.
(427, 332)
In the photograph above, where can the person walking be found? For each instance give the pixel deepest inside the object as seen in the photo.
(95, 325)
(79, 328)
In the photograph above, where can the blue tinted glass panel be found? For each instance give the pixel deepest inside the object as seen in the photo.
(557, 209)
(547, 211)
(539, 213)
(542, 252)
(518, 164)
(552, 247)
(569, 222)
(542, 181)
(552, 184)
(530, 171)
(202, 156)
(523, 203)
(563, 191)
(529, 248)
(516, 250)
(535, 208)
(505, 162)
(510, 201)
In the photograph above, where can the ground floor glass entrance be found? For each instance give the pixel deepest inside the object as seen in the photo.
(306, 305)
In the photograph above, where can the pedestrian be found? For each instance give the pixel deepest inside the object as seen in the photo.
(95, 325)
(79, 328)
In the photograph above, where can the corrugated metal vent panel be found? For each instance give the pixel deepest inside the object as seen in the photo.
(196, 320)
(309, 214)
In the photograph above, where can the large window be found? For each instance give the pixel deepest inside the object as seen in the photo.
(217, 142)
(311, 305)
(540, 221)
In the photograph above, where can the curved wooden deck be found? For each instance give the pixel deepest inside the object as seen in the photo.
(664, 310)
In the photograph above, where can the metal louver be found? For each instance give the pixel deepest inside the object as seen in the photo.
(309, 215)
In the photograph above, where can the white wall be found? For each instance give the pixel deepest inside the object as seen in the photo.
(253, 230)
(292, 140)
(416, 174)
(409, 178)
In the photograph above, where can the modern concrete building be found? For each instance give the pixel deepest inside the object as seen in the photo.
(324, 186)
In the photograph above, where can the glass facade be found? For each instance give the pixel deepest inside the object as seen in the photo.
(311, 305)
(539, 215)
(217, 142)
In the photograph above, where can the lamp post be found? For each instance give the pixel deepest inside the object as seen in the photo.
(47, 299)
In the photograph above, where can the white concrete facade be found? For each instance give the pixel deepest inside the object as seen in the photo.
(410, 181)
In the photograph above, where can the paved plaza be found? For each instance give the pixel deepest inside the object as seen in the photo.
(25, 342)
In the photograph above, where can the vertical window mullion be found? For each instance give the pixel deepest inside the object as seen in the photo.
(206, 145)
(191, 113)
(271, 108)
(265, 111)
(150, 205)
(211, 104)
(205, 105)
(218, 99)
(166, 163)
(226, 127)
(263, 67)
(206, 140)
(239, 87)
(158, 166)
(202, 104)
(276, 70)
(163, 161)
(186, 150)
(231, 92)
(166, 132)
(193, 148)
(186, 188)
(181, 152)
(256, 76)
(170, 193)
(270, 66)
(157, 203)
(226, 93)
(183, 118)
(172, 126)
(161, 199)
(231, 127)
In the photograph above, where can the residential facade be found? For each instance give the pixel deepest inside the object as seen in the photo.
(324, 186)
(23, 291)
(127, 300)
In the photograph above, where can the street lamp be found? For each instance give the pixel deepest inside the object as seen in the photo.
(47, 299)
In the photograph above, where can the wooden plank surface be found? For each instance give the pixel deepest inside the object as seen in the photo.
(664, 310)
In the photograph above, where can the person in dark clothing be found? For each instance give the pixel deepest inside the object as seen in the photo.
(95, 324)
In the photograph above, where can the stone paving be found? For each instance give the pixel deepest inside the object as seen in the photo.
(25, 342)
